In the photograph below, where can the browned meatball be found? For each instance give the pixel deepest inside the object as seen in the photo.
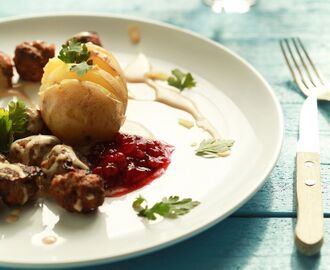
(32, 150)
(3, 158)
(35, 123)
(31, 57)
(60, 160)
(78, 191)
(6, 71)
(87, 36)
(19, 183)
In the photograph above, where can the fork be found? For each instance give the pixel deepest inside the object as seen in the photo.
(309, 228)
(306, 76)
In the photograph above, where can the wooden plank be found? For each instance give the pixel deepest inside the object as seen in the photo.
(236, 243)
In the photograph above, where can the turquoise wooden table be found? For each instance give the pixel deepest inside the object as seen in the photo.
(260, 234)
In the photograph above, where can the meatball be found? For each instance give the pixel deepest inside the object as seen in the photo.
(87, 36)
(32, 150)
(31, 57)
(35, 123)
(3, 159)
(78, 191)
(19, 183)
(60, 160)
(6, 71)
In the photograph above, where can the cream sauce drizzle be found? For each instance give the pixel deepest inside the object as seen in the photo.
(18, 90)
(40, 140)
(136, 71)
(136, 128)
(63, 153)
(11, 219)
(12, 167)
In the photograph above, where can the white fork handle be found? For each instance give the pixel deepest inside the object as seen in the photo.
(309, 228)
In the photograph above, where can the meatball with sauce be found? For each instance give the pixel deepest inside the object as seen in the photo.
(31, 57)
(32, 150)
(78, 191)
(35, 123)
(87, 36)
(18, 183)
(3, 159)
(60, 160)
(6, 71)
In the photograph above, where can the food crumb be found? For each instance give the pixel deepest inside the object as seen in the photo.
(224, 154)
(48, 240)
(185, 123)
(15, 212)
(157, 76)
(11, 219)
(134, 34)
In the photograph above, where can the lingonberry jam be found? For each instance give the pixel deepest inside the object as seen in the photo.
(129, 162)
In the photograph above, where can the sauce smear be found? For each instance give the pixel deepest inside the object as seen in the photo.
(129, 162)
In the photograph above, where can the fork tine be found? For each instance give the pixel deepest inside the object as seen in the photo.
(307, 70)
(318, 74)
(306, 81)
(294, 68)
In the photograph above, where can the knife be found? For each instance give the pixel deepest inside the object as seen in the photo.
(309, 227)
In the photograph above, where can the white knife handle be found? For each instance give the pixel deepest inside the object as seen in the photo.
(309, 228)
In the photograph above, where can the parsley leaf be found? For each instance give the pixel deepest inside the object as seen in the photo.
(181, 80)
(6, 136)
(18, 116)
(76, 53)
(171, 207)
(211, 148)
(81, 68)
(12, 122)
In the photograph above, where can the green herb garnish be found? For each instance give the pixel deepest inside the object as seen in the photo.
(76, 53)
(81, 68)
(171, 207)
(13, 121)
(181, 80)
(212, 148)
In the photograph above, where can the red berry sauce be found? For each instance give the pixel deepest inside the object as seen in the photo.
(129, 162)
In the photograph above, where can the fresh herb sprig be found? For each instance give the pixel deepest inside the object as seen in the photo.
(13, 121)
(212, 148)
(171, 207)
(76, 53)
(181, 80)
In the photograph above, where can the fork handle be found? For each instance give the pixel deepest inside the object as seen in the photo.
(309, 228)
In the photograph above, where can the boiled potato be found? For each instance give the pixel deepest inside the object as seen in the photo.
(88, 108)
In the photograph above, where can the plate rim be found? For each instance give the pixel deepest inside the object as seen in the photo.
(253, 190)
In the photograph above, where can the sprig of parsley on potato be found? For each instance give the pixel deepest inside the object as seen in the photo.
(76, 53)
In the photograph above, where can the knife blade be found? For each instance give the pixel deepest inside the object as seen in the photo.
(309, 228)
(308, 126)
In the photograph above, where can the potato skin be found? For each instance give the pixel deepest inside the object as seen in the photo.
(31, 57)
(80, 112)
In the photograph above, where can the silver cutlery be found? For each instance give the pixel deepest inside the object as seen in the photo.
(309, 228)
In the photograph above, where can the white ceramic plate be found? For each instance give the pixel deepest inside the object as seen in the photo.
(237, 100)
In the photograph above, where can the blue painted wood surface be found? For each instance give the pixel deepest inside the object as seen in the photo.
(260, 234)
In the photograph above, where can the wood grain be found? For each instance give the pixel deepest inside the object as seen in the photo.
(236, 243)
(309, 229)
